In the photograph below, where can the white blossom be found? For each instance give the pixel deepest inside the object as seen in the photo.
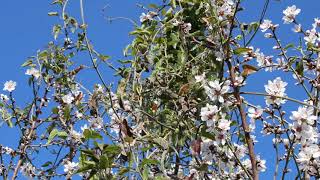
(290, 14)
(200, 78)
(33, 72)
(316, 22)
(304, 133)
(126, 105)
(28, 170)
(145, 17)
(206, 147)
(261, 164)
(311, 36)
(297, 28)
(268, 35)
(70, 167)
(4, 97)
(275, 88)
(224, 124)
(96, 122)
(186, 27)
(225, 10)
(10, 86)
(307, 154)
(209, 114)
(98, 88)
(220, 138)
(255, 113)
(304, 114)
(216, 90)
(75, 135)
(68, 98)
(265, 25)
(79, 115)
(264, 61)
(6, 150)
(84, 127)
(239, 80)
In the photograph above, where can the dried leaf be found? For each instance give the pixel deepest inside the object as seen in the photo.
(248, 69)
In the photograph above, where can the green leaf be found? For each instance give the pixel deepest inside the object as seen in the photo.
(241, 50)
(9, 123)
(91, 134)
(154, 6)
(55, 133)
(91, 154)
(149, 162)
(111, 149)
(27, 63)
(289, 46)
(173, 4)
(56, 31)
(53, 13)
(55, 110)
(66, 113)
(123, 171)
(299, 68)
(104, 162)
(86, 167)
(52, 135)
(46, 164)
(62, 134)
(207, 134)
(104, 57)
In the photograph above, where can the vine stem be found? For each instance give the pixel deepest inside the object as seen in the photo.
(244, 124)
(94, 64)
(236, 93)
(23, 150)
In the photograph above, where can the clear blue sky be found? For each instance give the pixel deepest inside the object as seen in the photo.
(25, 28)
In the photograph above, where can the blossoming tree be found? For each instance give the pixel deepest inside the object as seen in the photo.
(181, 109)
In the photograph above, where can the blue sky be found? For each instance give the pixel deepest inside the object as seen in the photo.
(26, 27)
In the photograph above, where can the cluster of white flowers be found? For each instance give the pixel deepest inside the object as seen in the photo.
(275, 88)
(75, 137)
(200, 78)
(68, 98)
(261, 164)
(4, 97)
(224, 8)
(33, 72)
(6, 150)
(208, 114)
(290, 14)
(219, 125)
(212, 152)
(96, 122)
(264, 61)
(239, 80)
(309, 159)
(70, 167)
(267, 24)
(312, 36)
(118, 113)
(254, 113)
(28, 170)
(307, 135)
(216, 90)
(147, 17)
